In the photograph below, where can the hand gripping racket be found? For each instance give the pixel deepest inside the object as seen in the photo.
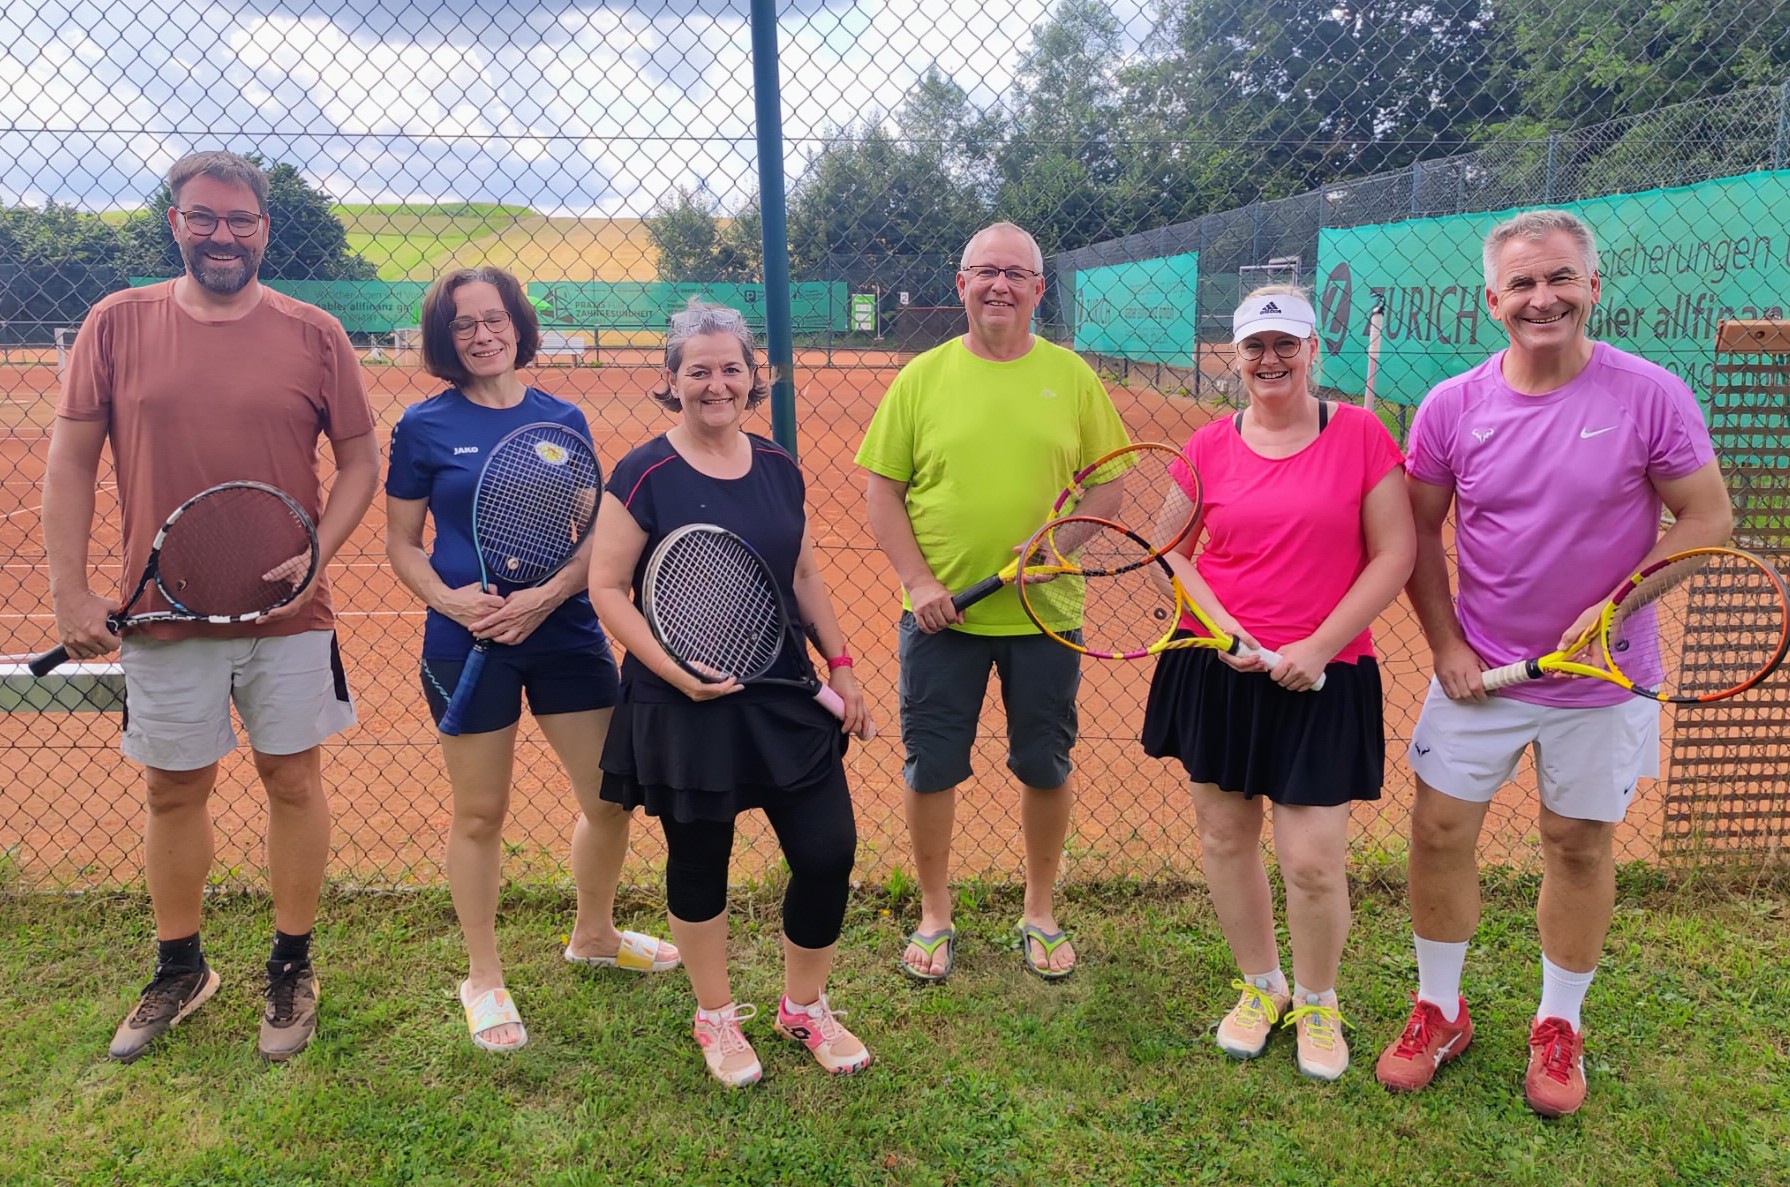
(714, 607)
(534, 505)
(1148, 485)
(229, 554)
(1696, 626)
(1103, 590)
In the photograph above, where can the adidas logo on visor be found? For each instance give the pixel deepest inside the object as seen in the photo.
(1270, 307)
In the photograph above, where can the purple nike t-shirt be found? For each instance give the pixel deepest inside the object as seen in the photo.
(1553, 497)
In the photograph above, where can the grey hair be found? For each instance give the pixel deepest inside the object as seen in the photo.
(1037, 252)
(1535, 225)
(696, 320)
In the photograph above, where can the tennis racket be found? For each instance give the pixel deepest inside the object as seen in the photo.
(1149, 485)
(534, 505)
(231, 553)
(714, 607)
(1696, 626)
(1102, 589)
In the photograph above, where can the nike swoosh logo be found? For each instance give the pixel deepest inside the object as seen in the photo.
(1587, 434)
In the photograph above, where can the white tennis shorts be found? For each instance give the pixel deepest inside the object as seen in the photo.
(1588, 762)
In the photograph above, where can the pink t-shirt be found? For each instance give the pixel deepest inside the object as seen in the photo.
(191, 403)
(1283, 536)
(1554, 502)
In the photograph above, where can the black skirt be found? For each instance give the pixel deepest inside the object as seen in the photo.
(1243, 733)
(712, 760)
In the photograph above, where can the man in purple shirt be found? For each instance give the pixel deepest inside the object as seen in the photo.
(1557, 455)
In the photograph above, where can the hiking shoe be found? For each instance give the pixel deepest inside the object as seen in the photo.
(730, 1057)
(1555, 1083)
(1323, 1054)
(1244, 1032)
(1429, 1041)
(167, 999)
(289, 1016)
(817, 1028)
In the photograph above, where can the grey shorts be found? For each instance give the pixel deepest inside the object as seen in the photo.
(290, 692)
(944, 678)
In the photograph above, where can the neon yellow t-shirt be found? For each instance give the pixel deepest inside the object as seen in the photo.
(984, 448)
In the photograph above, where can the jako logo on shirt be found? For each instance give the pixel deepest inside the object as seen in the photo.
(1047, 393)
(460, 449)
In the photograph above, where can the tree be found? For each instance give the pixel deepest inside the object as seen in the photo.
(58, 262)
(306, 241)
(682, 228)
(739, 247)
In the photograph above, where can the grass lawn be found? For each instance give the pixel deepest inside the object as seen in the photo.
(994, 1077)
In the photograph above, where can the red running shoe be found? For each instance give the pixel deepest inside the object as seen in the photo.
(1555, 1084)
(1429, 1041)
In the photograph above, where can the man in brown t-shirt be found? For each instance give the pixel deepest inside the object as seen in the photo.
(211, 378)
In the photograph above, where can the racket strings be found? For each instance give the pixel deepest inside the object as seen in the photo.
(1700, 627)
(536, 499)
(713, 607)
(1149, 488)
(235, 551)
(1114, 595)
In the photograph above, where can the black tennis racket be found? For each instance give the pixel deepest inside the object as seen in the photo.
(714, 607)
(533, 507)
(231, 553)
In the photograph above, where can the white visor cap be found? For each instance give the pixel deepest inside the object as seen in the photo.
(1283, 313)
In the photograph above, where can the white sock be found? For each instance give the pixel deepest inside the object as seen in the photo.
(713, 1015)
(1439, 966)
(1313, 997)
(1273, 983)
(1562, 993)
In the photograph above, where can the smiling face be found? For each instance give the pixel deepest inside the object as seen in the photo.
(1270, 375)
(1000, 308)
(486, 352)
(713, 381)
(220, 262)
(1543, 293)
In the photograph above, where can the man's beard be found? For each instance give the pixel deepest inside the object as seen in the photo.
(223, 277)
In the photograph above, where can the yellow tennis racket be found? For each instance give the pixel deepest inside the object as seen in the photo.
(1099, 588)
(1696, 626)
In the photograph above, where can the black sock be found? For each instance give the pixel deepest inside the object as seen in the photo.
(179, 956)
(290, 950)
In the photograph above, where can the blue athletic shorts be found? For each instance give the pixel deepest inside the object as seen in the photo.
(555, 681)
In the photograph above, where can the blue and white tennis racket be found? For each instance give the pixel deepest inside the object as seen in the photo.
(533, 508)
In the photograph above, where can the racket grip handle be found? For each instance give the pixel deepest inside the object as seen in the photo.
(1273, 658)
(49, 661)
(453, 718)
(1521, 672)
(976, 593)
(833, 703)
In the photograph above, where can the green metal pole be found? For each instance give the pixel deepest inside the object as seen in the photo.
(779, 333)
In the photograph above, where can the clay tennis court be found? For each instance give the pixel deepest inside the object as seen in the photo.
(70, 807)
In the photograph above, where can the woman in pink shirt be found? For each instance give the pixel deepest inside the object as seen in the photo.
(1305, 538)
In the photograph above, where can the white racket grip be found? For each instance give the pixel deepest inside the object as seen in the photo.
(833, 703)
(1272, 659)
(1521, 672)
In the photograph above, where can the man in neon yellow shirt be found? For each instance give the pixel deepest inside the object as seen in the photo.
(966, 453)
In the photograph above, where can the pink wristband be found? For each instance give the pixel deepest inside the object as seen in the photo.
(839, 661)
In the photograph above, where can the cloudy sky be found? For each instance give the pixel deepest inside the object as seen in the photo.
(571, 108)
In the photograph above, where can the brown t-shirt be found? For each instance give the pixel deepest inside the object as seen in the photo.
(191, 403)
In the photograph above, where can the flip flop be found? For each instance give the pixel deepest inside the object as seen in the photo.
(929, 942)
(1049, 941)
(639, 954)
(492, 1009)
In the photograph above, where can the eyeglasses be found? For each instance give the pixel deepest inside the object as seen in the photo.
(242, 223)
(466, 327)
(1284, 348)
(987, 272)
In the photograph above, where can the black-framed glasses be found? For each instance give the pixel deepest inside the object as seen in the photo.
(987, 272)
(242, 223)
(1284, 348)
(466, 327)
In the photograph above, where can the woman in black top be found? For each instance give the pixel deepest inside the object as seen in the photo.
(696, 755)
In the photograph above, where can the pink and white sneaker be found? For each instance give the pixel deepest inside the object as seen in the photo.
(817, 1028)
(730, 1057)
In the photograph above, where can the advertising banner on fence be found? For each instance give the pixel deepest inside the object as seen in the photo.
(362, 306)
(1673, 263)
(815, 306)
(1143, 310)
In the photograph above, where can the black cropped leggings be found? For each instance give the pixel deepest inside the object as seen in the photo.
(819, 840)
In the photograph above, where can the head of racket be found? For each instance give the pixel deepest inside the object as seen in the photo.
(1697, 626)
(1098, 587)
(236, 549)
(712, 604)
(1148, 487)
(535, 503)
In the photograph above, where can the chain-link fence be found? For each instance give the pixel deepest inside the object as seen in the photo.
(1167, 156)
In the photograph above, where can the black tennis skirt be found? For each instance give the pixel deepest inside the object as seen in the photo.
(712, 760)
(1244, 733)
